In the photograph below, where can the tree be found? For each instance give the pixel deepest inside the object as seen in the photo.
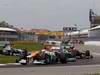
(5, 24)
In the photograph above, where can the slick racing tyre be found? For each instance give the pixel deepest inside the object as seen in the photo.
(63, 58)
(23, 63)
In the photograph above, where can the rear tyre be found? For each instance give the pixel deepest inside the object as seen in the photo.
(63, 58)
(23, 63)
(63, 61)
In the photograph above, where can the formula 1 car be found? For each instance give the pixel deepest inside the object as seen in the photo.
(82, 54)
(56, 55)
(49, 57)
(85, 54)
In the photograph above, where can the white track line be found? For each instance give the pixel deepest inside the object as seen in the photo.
(8, 64)
(3, 64)
(13, 64)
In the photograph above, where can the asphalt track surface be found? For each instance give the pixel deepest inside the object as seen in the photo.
(80, 67)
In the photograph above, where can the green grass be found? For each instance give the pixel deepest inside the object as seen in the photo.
(7, 59)
(28, 46)
(1, 48)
